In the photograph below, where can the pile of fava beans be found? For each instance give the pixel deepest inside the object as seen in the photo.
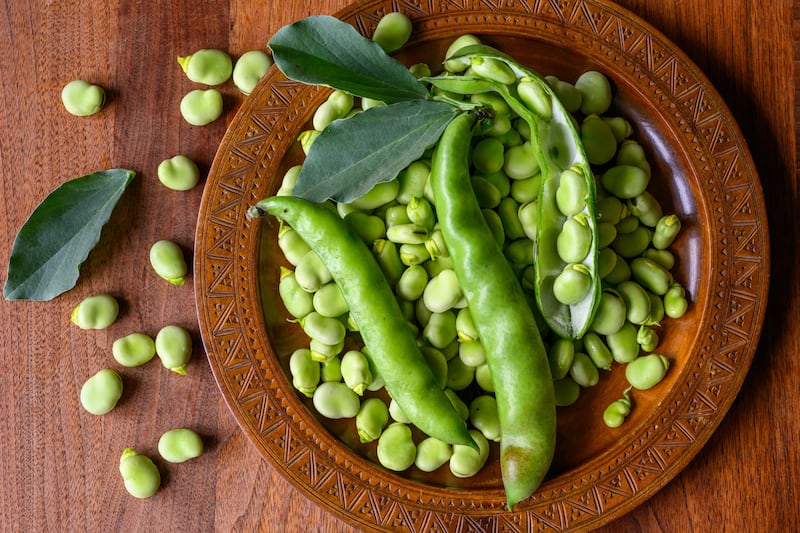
(397, 220)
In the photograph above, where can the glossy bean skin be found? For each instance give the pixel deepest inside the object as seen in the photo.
(372, 417)
(646, 371)
(292, 246)
(598, 140)
(180, 445)
(95, 312)
(651, 275)
(675, 303)
(133, 350)
(139, 474)
(297, 301)
(483, 416)
(335, 400)
(208, 66)
(168, 262)
(249, 69)
(597, 350)
(323, 329)
(432, 453)
(583, 371)
(178, 173)
(522, 382)
(467, 461)
(101, 392)
(637, 302)
(595, 92)
(201, 106)
(625, 181)
(174, 348)
(392, 31)
(667, 229)
(305, 371)
(396, 449)
(329, 302)
(560, 355)
(614, 415)
(623, 343)
(610, 315)
(355, 371)
(81, 98)
(391, 346)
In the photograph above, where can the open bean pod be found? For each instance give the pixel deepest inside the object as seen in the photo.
(566, 226)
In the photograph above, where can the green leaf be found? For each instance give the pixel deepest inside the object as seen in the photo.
(323, 50)
(60, 233)
(353, 155)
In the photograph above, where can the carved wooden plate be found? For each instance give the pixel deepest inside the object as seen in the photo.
(702, 171)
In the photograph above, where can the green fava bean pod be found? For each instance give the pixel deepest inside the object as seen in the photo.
(95, 312)
(174, 348)
(557, 148)
(372, 417)
(201, 107)
(249, 69)
(335, 400)
(207, 66)
(396, 448)
(432, 453)
(101, 392)
(168, 262)
(514, 352)
(180, 445)
(133, 350)
(646, 371)
(178, 173)
(81, 98)
(139, 474)
(391, 346)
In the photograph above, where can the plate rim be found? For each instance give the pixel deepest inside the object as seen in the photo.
(368, 10)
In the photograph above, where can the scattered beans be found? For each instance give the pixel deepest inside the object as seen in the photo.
(167, 260)
(207, 66)
(140, 475)
(101, 392)
(249, 69)
(133, 350)
(201, 106)
(95, 312)
(81, 98)
(178, 173)
(174, 348)
(180, 445)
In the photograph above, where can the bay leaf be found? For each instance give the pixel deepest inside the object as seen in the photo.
(353, 155)
(323, 50)
(58, 236)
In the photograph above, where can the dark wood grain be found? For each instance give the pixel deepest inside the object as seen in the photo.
(58, 466)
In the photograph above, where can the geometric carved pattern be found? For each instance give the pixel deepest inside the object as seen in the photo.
(248, 166)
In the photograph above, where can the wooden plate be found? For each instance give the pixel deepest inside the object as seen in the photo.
(702, 171)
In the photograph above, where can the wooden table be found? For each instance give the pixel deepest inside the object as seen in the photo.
(58, 465)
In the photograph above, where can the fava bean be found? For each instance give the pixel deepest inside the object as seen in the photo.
(646, 371)
(329, 302)
(625, 181)
(180, 445)
(646, 208)
(168, 262)
(675, 303)
(465, 327)
(492, 69)
(389, 260)
(487, 194)
(178, 173)
(356, 371)
(519, 252)
(597, 350)
(249, 69)
(442, 292)
(466, 461)
(310, 273)
(432, 453)
(595, 92)
(529, 218)
(207, 66)
(411, 181)
(330, 370)
(323, 329)
(462, 63)
(567, 94)
(292, 245)
(81, 98)
(637, 302)
(606, 235)
(667, 229)
(397, 414)
(139, 474)
(560, 355)
(610, 314)
(583, 372)
(665, 258)
(297, 301)
(305, 371)
(620, 127)
(459, 375)
(628, 224)
(412, 283)
(133, 350)
(483, 377)
(440, 329)
(95, 312)
(573, 284)
(598, 140)
(483, 416)
(200, 107)
(526, 190)
(535, 98)
(369, 227)
(392, 31)
(174, 348)
(606, 260)
(508, 210)
(396, 449)
(288, 182)
(621, 271)
(380, 194)
(614, 415)
(488, 156)
(610, 209)
(631, 152)
(656, 310)
(651, 275)
(575, 240)
(623, 344)
(519, 162)
(472, 353)
(647, 338)
(335, 400)
(571, 193)
(101, 392)
(566, 391)
(372, 417)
